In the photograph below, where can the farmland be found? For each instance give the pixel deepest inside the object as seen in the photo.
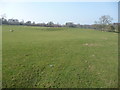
(52, 57)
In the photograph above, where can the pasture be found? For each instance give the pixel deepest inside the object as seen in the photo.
(51, 57)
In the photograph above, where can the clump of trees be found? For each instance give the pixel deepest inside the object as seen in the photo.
(70, 24)
(105, 24)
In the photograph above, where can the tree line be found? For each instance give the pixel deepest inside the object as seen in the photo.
(104, 24)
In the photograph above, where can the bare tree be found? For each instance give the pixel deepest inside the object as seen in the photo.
(104, 22)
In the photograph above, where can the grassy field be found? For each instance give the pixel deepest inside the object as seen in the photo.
(38, 57)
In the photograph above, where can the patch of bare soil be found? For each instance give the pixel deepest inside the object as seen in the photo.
(90, 44)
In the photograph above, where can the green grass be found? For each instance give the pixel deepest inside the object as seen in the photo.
(38, 57)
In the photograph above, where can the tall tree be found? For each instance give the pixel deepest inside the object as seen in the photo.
(104, 22)
(4, 20)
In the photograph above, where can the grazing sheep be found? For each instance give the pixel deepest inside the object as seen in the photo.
(11, 30)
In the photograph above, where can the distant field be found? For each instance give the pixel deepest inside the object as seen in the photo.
(38, 57)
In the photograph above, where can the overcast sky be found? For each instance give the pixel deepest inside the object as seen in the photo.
(59, 12)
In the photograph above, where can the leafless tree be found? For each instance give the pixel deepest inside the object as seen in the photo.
(105, 20)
